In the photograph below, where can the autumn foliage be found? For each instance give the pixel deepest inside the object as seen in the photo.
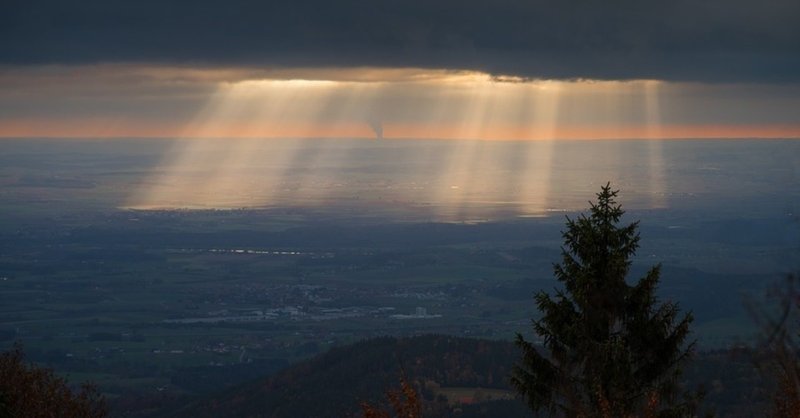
(30, 391)
(405, 403)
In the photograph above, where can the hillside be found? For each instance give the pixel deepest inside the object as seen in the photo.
(457, 377)
(333, 384)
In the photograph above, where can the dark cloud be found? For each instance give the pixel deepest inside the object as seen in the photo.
(701, 40)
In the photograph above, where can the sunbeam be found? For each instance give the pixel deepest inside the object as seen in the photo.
(534, 185)
(655, 161)
(253, 144)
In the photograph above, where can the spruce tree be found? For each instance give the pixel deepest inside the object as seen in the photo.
(610, 349)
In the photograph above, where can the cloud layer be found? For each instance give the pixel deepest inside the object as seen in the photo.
(685, 40)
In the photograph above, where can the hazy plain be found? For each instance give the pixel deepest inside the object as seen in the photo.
(145, 264)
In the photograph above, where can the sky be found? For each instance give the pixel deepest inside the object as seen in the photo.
(507, 69)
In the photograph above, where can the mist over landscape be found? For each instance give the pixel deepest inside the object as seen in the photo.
(356, 238)
(400, 209)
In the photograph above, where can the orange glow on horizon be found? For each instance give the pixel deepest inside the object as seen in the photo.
(604, 132)
(363, 103)
(121, 128)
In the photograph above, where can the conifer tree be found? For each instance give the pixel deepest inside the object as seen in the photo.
(610, 349)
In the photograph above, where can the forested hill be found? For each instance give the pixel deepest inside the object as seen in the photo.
(335, 383)
(456, 376)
